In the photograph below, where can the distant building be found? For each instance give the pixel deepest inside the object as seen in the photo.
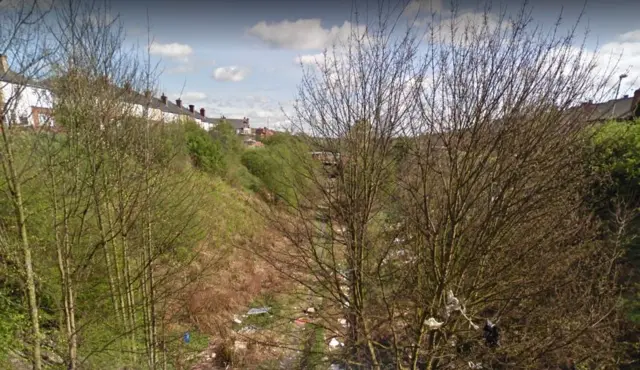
(263, 132)
(242, 126)
(29, 103)
(24, 102)
(623, 109)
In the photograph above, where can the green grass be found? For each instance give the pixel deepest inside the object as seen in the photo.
(265, 320)
(313, 354)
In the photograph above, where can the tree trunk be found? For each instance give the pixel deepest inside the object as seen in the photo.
(16, 196)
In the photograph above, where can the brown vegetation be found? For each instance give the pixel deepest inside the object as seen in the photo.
(476, 220)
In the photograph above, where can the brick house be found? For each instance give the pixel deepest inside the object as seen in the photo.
(263, 132)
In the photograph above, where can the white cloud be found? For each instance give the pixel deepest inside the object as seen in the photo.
(173, 50)
(262, 111)
(621, 56)
(231, 73)
(309, 59)
(303, 34)
(631, 36)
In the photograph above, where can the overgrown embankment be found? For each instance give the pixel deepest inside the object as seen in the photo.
(134, 244)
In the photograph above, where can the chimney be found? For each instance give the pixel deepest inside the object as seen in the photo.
(164, 99)
(626, 96)
(202, 112)
(179, 102)
(586, 104)
(634, 103)
(147, 94)
(191, 108)
(4, 65)
(127, 86)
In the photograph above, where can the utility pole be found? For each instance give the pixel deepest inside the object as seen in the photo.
(619, 83)
(613, 108)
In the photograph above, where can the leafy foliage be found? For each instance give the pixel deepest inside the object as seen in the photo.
(205, 153)
(280, 165)
(614, 164)
(616, 161)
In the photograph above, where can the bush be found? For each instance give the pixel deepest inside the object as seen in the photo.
(614, 164)
(239, 176)
(205, 153)
(615, 160)
(280, 165)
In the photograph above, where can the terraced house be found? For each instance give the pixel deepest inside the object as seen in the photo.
(25, 101)
(29, 103)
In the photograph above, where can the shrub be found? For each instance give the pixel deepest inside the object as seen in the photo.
(205, 153)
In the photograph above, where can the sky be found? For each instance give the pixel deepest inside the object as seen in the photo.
(238, 58)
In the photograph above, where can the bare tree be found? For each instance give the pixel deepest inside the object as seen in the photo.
(453, 230)
(114, 189)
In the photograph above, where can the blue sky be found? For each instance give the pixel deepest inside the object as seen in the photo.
(237, 57)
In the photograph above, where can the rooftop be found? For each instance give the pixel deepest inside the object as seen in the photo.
(623, 108)
(12, 77)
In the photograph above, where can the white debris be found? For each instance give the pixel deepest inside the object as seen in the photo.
(453, 304)
(207, 357)
(258, 311)
(474, 366)
(343, 322)
(333, 343)
(248, 330)
(236, 319)
(310, 310)
(433, 324)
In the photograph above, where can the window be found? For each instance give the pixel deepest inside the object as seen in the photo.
(43, 119)
(13, 120)
(24, 121)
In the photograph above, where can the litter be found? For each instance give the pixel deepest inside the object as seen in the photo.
(433, 324)
(333, 343)
(301, 321)
(258, 311)
(248, 330)
(491, 333)
(453, 304)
